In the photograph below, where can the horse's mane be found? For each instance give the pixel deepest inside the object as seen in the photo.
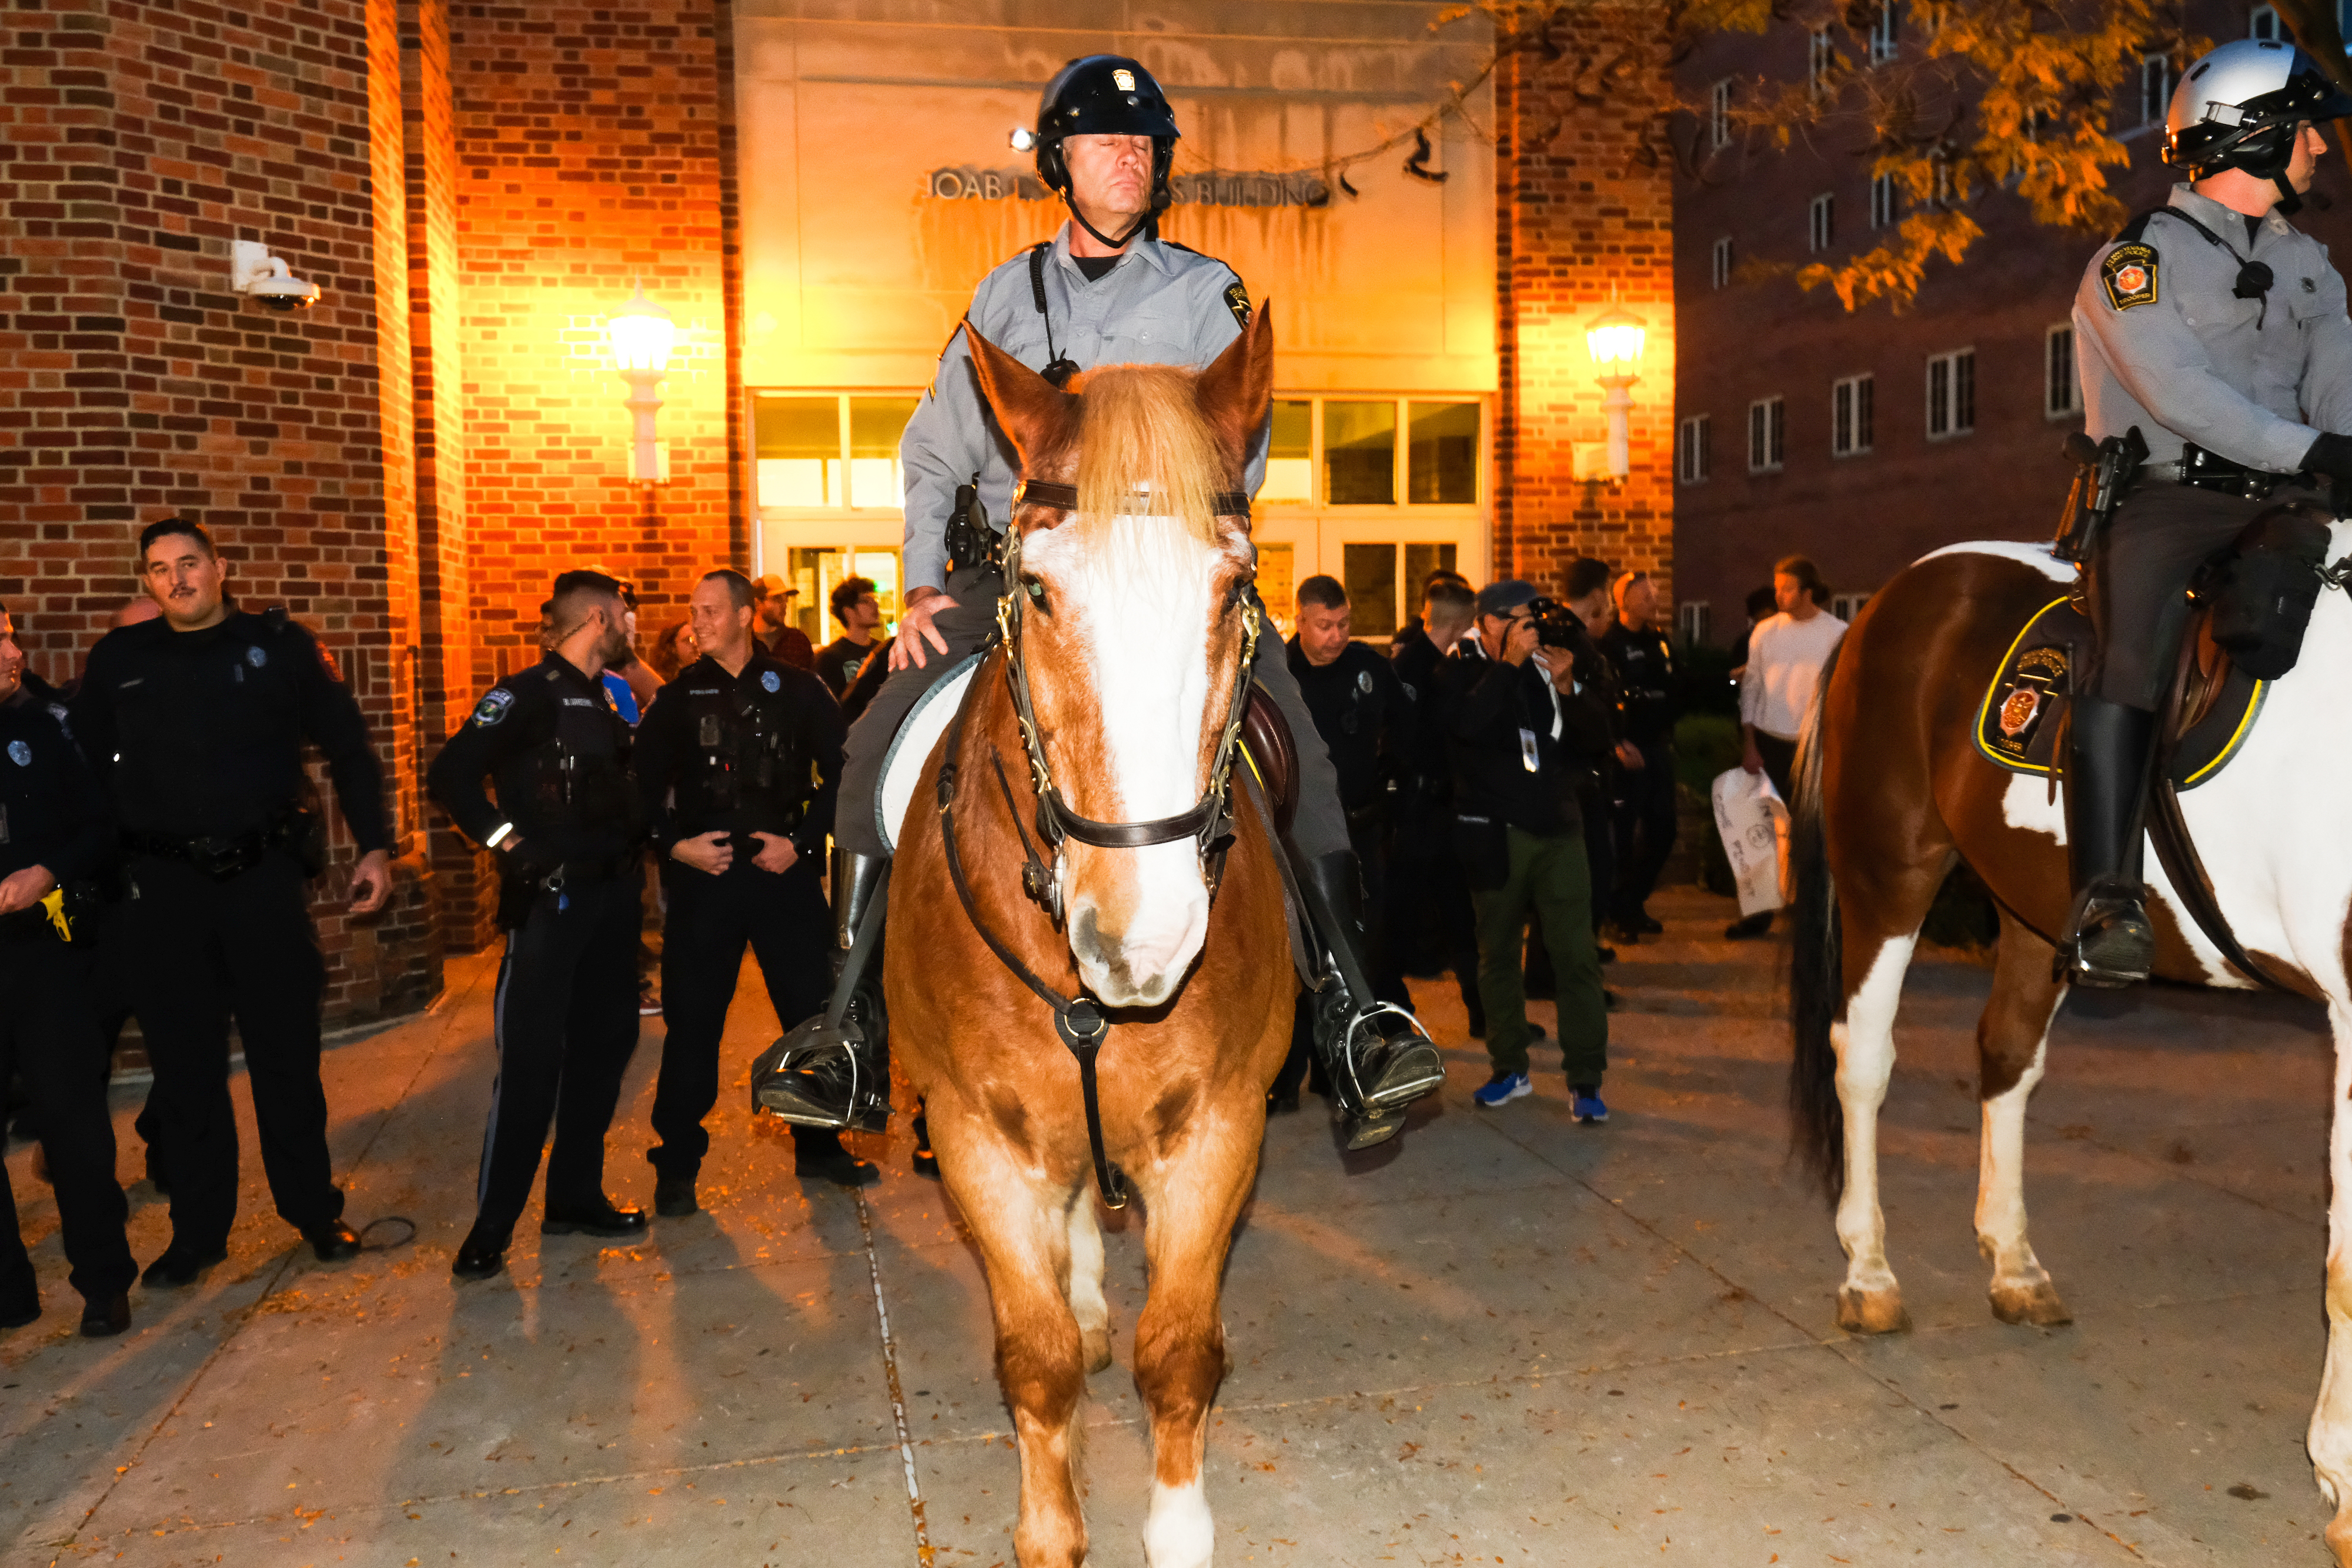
(1139, 425)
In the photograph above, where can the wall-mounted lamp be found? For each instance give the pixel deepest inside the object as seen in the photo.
(1615, 340)
(643, 333)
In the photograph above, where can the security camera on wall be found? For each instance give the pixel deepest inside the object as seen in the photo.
(253, 270)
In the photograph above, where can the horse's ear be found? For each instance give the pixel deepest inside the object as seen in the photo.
(1031, 411)
(1235, 393)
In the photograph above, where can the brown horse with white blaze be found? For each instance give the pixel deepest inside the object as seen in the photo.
(1133, 623)
(1891, 788)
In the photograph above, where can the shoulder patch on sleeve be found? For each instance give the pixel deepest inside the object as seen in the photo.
(2128, 274)
(492, 707)
(1237, 300)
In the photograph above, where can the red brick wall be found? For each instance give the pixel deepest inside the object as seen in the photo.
(137, 138)
(1584, 209)
(589, 158)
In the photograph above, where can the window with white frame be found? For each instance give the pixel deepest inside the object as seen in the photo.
(1846, 606)
(1719, 269)
(2062, 393)
(1821, 60)
(1693, 454)
(2262, 23)
(2155, 88)
(1821, 221)
(1768, 434)
(1718, 114)
(1694, 621)
(1951, 394)
(1851, 416)
(1882, 201)
(1882, 33)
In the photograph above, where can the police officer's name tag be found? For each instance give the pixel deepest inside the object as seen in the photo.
(2128, 274)
(1527, 749)
(492, 707)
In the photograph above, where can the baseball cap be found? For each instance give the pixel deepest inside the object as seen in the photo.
(1502, 597)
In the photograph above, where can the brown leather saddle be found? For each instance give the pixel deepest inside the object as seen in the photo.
(1273, 756)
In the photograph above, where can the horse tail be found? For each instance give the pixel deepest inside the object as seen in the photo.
(1816, 976)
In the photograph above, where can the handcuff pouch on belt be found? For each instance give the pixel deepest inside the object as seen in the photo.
(2105, 471)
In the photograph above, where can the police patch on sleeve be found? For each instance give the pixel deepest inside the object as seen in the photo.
(1237, 301)
(2128, 274)
(492, 707)
(20, 754)
(771, 680)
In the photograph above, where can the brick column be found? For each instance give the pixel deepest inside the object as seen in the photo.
(1584, 207)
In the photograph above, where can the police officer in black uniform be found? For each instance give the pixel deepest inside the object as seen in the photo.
(569, 835)
(1646, 809)
(738, 762)
(1365, 719)
(197, 721)
(2217, 330)
(55, 832)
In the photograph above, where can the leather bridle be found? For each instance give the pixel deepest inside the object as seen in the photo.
(1078, 1019)
(1210, 821)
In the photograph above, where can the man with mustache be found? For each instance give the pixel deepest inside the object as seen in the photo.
(197, 721)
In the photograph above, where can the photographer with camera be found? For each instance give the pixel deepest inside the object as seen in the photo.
(1518, 730)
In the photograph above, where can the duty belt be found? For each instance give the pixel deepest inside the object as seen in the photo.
(27, 926)
(218, 857)
(2203, 470)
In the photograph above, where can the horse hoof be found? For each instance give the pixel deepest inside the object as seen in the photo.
(1095, 1344)
(1872, 1311)
(2037, 1304)
(2340, 1539)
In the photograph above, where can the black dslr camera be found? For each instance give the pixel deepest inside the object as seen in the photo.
(1556, 626)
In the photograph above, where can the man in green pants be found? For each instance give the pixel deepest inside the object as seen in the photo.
(1527, 705)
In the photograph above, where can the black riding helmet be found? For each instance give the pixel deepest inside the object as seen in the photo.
(1106, 95)
(2241, 106)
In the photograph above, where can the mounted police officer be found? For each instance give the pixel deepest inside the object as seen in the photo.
(196, 720)
(737, 764)
(567, 831)
(54, 832)
(1105, 290)
(2219, 331)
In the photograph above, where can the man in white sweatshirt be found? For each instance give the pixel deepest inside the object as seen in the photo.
(1785, 655)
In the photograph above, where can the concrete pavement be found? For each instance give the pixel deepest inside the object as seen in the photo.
(1506, 1338)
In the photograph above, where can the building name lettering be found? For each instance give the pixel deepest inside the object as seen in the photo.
(1213, 188)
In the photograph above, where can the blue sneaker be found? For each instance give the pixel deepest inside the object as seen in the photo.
(1501, 1088)
(1588, 1106)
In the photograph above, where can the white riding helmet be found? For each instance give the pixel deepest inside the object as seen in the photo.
(2238, 108)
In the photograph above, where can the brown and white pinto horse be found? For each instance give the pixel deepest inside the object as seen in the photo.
(1891, 788)
(1131, 638)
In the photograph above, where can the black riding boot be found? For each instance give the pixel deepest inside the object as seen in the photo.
(1377, 1056)
(2108, 941)
(834, 1069)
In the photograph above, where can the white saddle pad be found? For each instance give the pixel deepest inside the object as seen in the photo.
(912, 747)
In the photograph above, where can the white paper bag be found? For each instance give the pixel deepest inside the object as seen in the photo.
(1754, 823)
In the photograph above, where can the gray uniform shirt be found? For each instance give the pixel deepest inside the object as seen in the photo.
(1160, 304)
(2164, 344)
